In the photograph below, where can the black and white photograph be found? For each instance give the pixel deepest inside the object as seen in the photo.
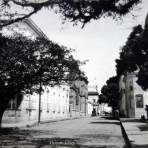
(73, 73)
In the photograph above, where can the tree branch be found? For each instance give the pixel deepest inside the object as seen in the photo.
(18, 19)
(37, 4)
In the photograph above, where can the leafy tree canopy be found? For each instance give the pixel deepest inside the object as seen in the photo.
(134, 55)
(110, 93)
(102, 99)
(74, 10)
(25, 63)
(130, 54)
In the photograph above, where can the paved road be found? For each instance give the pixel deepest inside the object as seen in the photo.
(77, 133)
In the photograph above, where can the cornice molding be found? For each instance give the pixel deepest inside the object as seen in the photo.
(35, 28)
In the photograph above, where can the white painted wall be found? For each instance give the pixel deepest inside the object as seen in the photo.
(54, 105)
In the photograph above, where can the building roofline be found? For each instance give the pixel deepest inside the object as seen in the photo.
(35, 28)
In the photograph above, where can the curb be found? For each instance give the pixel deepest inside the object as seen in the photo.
(125, 136)
(50, 121)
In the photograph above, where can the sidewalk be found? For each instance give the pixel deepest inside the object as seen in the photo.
(137, 132)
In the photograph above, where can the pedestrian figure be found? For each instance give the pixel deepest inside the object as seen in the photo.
(146, 108)
(142, 117)
(117, 114)
(94, 112)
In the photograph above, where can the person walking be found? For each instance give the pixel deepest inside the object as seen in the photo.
(146, 108)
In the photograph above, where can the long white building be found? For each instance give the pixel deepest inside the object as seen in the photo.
(54, 105)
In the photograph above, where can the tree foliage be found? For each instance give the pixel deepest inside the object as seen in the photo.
(130, 55)
(25, 63)
(102, 99)
(110, 92)
(134, 56)
(74, 10)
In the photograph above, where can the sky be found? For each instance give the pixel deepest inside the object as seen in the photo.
(99, 41)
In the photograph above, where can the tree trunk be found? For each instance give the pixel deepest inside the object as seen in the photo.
(2, 110)
(113, 112)
(3, 106)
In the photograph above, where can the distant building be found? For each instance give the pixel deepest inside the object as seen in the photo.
(133, 98)
(78, 98)
(93, 97)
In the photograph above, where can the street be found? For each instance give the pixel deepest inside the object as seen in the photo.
(90, 132)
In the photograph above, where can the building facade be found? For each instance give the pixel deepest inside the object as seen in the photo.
(54, 105)
(93, 97)
(132, 98)
(78, 98)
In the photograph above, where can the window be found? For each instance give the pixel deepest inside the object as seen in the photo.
(12, 104)
(77, 100)
(15, 103)
(139, 101)
(131, 88)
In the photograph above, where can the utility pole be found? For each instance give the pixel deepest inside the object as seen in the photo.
(39, 114)
(40, 91)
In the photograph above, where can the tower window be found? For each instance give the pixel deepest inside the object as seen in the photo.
(139, 101)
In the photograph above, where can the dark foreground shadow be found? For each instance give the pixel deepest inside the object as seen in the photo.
(143, 127)
(97, 122)
(141, 146)
(108, 117)
(133, 120)
(14, 137)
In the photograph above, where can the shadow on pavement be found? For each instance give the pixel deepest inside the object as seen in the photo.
(113, 122)
(132, 120)
(17, 138)
(108, 117)
(143, 127)
(141, 146)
